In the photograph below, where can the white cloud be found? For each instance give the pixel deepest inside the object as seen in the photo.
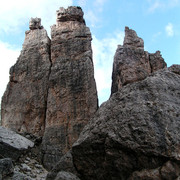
(13, 14)
(82, 3)
(169, 30)
(103, 54)
(91, 18)
(8, 57)
(162, 4)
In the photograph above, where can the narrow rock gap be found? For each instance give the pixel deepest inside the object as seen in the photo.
(47, 91)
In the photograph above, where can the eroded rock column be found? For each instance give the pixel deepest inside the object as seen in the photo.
(132, 63)
(72, 96)
(24, 101)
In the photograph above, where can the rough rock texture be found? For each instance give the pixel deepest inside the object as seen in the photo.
(132, 63)
(35, 23)
(72, 95)
(12, 145)
(6, 167)
(175, 68)
(136, 129)
(62, 175)
(25, 99)
(170, 170)
(65, 164)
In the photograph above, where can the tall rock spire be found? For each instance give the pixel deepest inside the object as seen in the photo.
(72, 95)
(24, 101)
(132, 63)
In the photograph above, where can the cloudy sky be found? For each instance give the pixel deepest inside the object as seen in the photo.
(156, 21)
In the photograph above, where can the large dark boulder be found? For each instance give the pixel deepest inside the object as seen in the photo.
(137, 129)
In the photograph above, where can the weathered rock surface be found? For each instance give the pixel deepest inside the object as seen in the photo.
(6, 167)
(65, 164)
(170, 170)
(35, 23)
(72, 95)
(132, 63)
(175, 68)
(137, 129)
(25, 99)
(12, 145)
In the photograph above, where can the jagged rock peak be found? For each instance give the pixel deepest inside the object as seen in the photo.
(132, 40)
(35, 23)
(132, 63)
(72, 13)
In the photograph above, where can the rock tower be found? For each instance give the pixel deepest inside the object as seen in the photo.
(72, 95)
(24, 102)
(132, 63)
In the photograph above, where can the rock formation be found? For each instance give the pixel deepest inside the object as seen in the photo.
(72, 95)
(12, 145)
(132, 63)
(25, 99)
(52, 97)
(135, 133)
(52, 86)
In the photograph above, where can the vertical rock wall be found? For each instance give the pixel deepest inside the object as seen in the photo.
(72, 96)
(132, 63)
(24, 101)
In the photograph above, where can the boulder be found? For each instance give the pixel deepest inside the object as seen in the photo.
(12, 145)
(23, 107)
(132, 63)
(72, 95)
(136, 129)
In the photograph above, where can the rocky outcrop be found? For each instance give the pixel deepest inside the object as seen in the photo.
(72, 95)
(175, 68)
(25, 99)
(132, 63)
(136, 131)
(12, 145)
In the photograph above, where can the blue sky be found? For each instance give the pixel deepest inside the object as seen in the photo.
(157, 22)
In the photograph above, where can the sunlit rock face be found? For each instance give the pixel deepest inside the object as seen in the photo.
(72, 94)
(132, 63)
(25, 99)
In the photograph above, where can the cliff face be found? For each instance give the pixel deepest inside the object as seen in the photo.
(72, 95)
(132, 63)
(24, 101)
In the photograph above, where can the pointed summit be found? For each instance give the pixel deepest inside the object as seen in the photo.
(131, 39)
(132, 63)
